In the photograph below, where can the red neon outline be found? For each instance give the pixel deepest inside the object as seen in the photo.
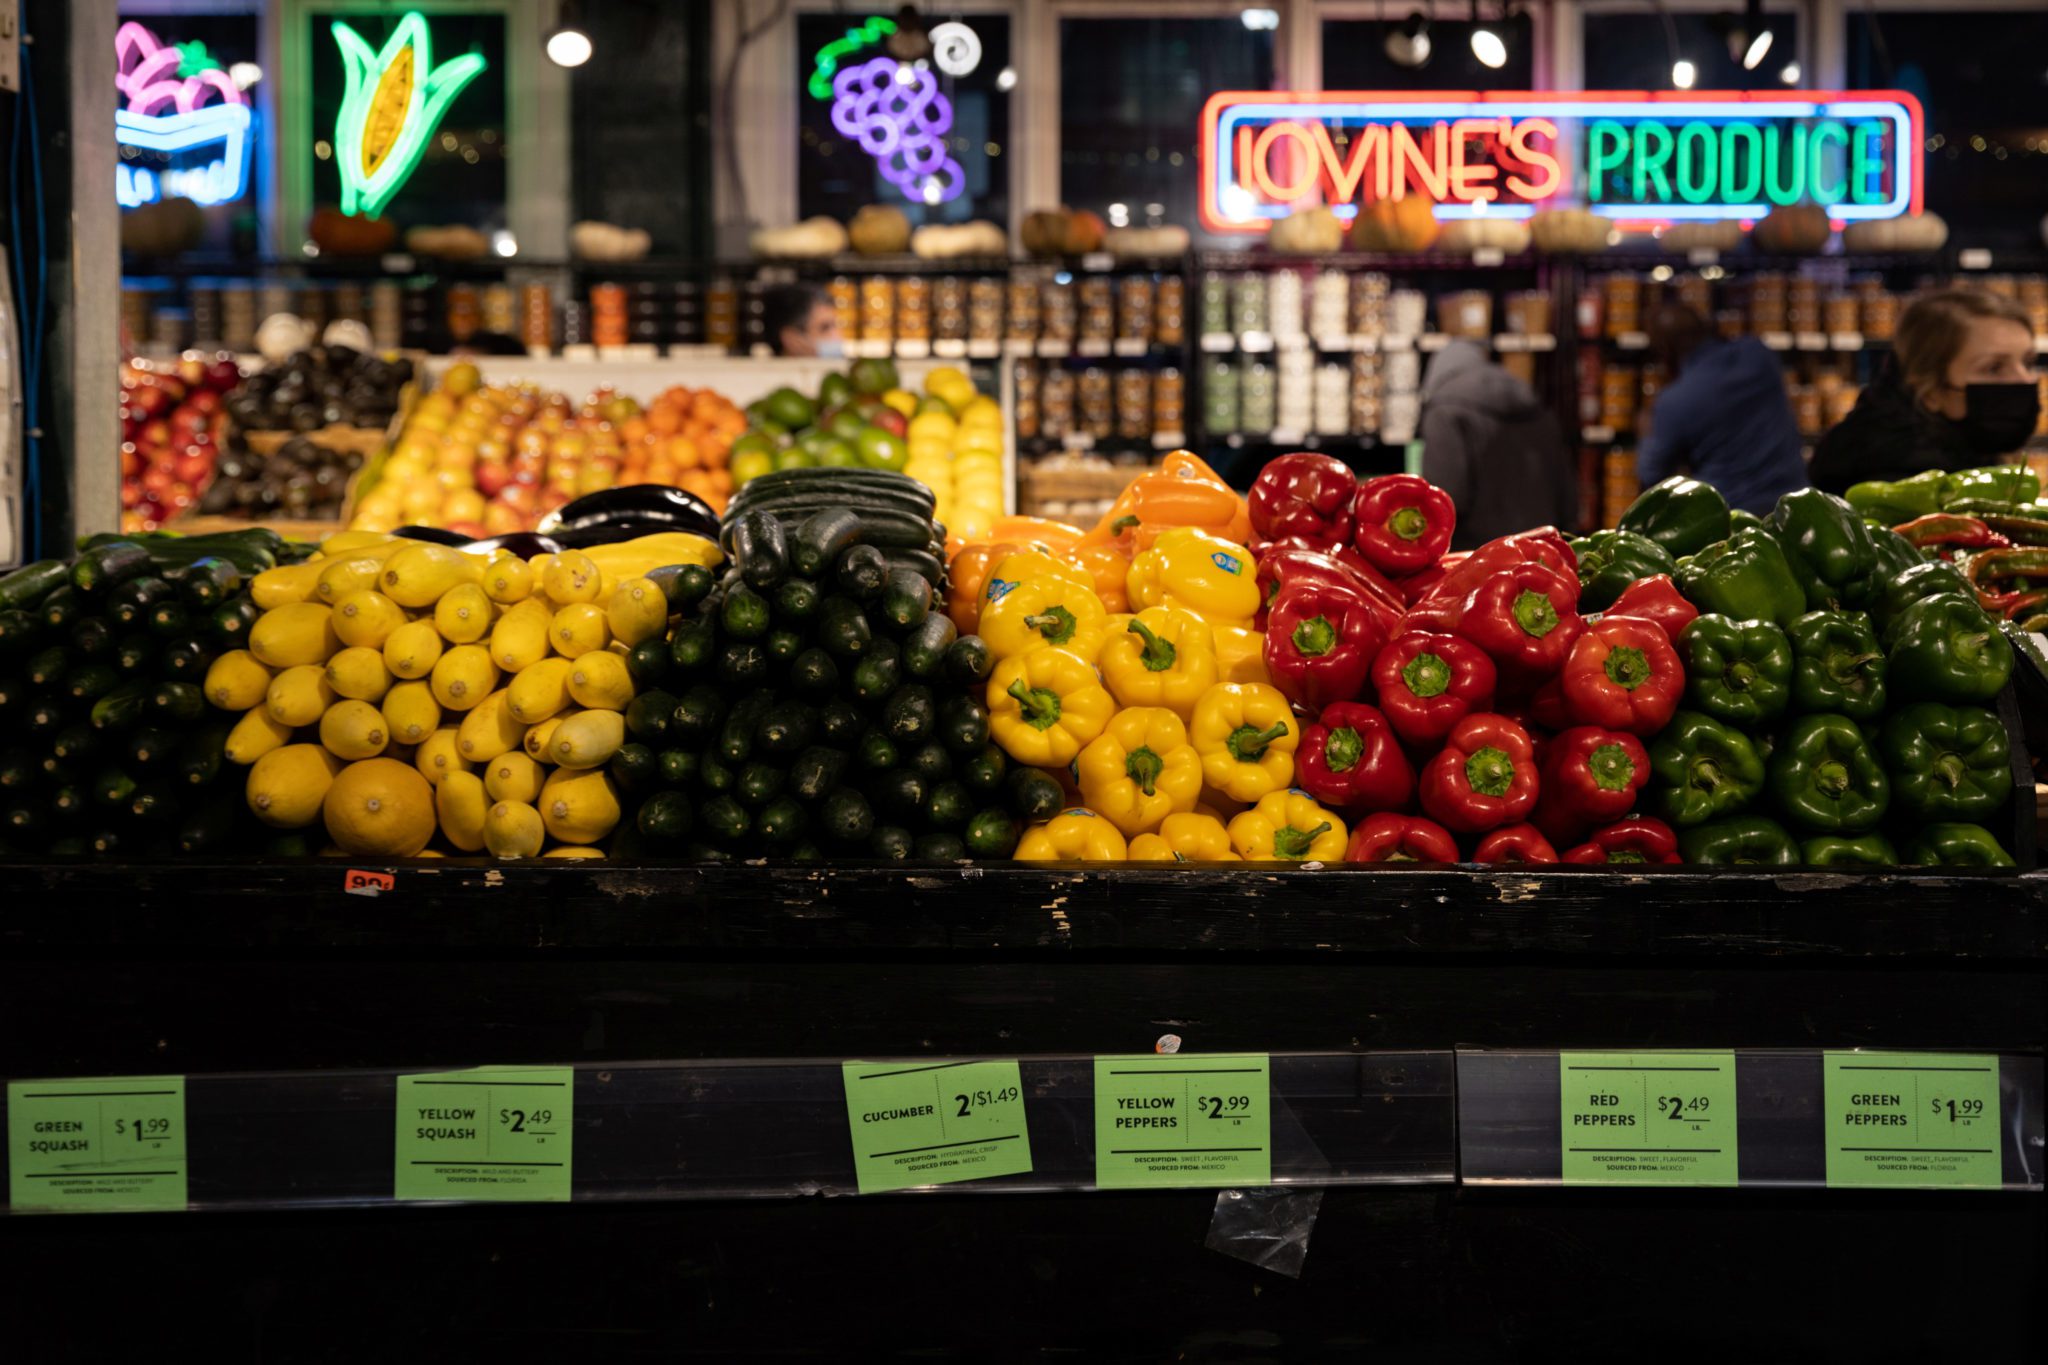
(1210, 212)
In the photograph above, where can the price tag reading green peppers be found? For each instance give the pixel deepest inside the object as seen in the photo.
(919, 1123)
(495, 1133)
(1180, 1120)
(1648, 1118)
(1912, 1119)
(97, 1146)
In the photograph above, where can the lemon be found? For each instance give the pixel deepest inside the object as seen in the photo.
(359, 672)
(931, 426)
(461, 804)
(299, 696)
(587, 739)
(293, 634)
(345, 577)
(513, 829)
(438, 755)
(638, 611)
(412, 650)
(464, 677)
(577, 629)
(507, 579)
(254, 735)
(464, 614)
(489, 729)
(981, 411)
(380, 807)
(367, 618)
(540, 689)
(572, 577)
(288, 583)
(520, 639)
(419, 575)
(600, 679)
(579, 806)
(287, 785)
(352, 730)
(236, 681)
(513, 777)
(539, 736)
(410, 712)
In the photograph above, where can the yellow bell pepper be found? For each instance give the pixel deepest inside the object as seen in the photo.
(1044, 611)
(1163, 657)
(1185, 837)
(1022, 567)
(1044, 705)
(1246, 735)
(1288, 827)
(1077, 835)
(1205, 574)
(1140, 769)
(1241, 655)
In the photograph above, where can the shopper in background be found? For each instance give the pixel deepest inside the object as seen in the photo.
(799, 320)
(1489, 442)
(1724, 416)
(1959, 391)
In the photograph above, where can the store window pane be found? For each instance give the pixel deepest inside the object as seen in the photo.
(1355, 56)
(461, 173)
(1982, 78)
(639, 124)
(1131, 96)
(960, 165)
(1633, 52)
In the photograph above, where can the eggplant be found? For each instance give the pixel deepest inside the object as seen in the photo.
(525, 544)
(672, 508)
(434, 535)
(612, 532)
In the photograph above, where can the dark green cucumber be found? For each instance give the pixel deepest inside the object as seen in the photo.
(901, 793)
(210, 827)
(634, 767)
(746, 614)
(758, 784)
(846, 816)
(816, 772)
(948, 807)
(906, 599)
(781, 824)
(760, 550)
(713, 776)
(992, 833)
(814, 674)
(879, 674)
(968, 661)
(694, 646)
(678, 767)
(926, 643)
(649, 714)
(861, 572)
(697, 715)
(782, 646)
(963, 723)
(664, 817)
(983, 773)
(877, 752)
(27, 586)
(735, 744)
(209, 582)
(891, 842)
(840, 724)
(131, 603)
(821, 539)
(1034, 794)
(929, 761)
(939, 848)
(685, 585)
(105, 567)
(725, 819)
(647, 663)
(909, 714)
(797, 601)
(742, 665)
(843, 628)
(199, 758)
(785, 729)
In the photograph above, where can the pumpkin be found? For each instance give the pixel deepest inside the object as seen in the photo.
(163, 228)
(1084, 233)
(1914, 232)
(340, 234)
(1308, 232)
(1569, 232)
(811, 239)
(1723, 235)
(595, 241)
(879, 230)
(1044, 230)
(1146, 243)
(452, 243)
(1405, 224)
(946, 241)
(1463, 236)
(1792, 230)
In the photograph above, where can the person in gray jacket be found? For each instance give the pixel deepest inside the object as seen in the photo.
(1489, 442)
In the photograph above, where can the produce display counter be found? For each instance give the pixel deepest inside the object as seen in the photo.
(1412, 1023)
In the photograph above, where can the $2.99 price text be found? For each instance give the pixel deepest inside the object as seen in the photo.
(1223, 1106)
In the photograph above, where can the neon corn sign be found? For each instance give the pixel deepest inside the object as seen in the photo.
(1655, 156)
(186, 114)
(394, 100)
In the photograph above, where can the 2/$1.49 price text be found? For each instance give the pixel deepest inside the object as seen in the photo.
(981, 1099)
(519, 1121)
(144, 1129)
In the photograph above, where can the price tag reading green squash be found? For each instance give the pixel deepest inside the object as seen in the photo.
(1183, 1120)
(495, 1133)
(934, 1123)
(1912, 1119)
(97, 1146)
(1648, 1118)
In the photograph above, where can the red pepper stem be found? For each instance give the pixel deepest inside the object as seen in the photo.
(1611, 767)
(1427, 675)
(1627, 666)
(1625, 855)
(1143, 767)
(1409, 523)
(1535, 613)
(1490, 771)
(1040, 705)
(1246, 745)
(1342, 749)
(1315, 637)
(1158, 654)
(1293, 844)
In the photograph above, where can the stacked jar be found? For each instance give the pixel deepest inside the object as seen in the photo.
(1284, 305)
(1024, 381)
(1097, 403)
(1133, 404)
(536, 317)
(387, 316)
(1329, 304)
(1169, 403)
(1135, 304)
(1169, 325)
(985, 310)
(949, 308)
(877, 310)
(1369, 305)
(1056, 403)
(913, 309)
(1024, 312)
(1056, 313)
(1097, 298)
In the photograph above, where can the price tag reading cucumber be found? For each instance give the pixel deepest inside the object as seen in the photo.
(495, 1133)
(1183, 1120)
(1648, 1118)
(1906, 1118)
(923, 1123)
(97, 1146)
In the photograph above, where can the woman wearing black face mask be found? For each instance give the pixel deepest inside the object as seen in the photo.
(1958, 392)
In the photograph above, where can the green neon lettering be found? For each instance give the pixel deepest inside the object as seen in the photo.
(827, 62)
(1606, 148)
(371, 174)
(1776, 160)
(1650, 163)
(1751, 166)
(1866, 165)
(1819, 161)
(1696, 173)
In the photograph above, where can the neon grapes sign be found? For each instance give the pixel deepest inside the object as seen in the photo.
(1644, 156)
(201, 148)
(897, 115)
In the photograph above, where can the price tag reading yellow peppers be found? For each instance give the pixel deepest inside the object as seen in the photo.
(1912, 1119)
(96, 1146)
(495, 1133)
(1163, 1121)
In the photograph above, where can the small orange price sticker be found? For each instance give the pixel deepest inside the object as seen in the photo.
(360, 883)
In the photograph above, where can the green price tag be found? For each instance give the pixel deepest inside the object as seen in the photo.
(495, 1133)
(1648, 1118)
(96, 1146)
(1181, 1120)
(1910, 1118)
(932, 1124)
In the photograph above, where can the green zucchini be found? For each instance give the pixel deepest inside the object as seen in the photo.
(821, 539)
(816, 772)
(131, 603)
(909, 714)
(123, 706)
(17, 771)
(44, 719)
(70, 800)
(232, 620)
(177, 702)
(209, 582)
(906, 599)
(27, 586)
(105, 567)
(847, 817)
(861, 573)
(90, 682)
(46, 666)
(843, 628)
(209, 827)
(685, 585)
(63, 607)
(153, 801)
(169, 619)
(135, 653)
(93, 638)
(664, 817)
(924, 647)
(151, 747)
(18, 630)
(840, 724)
(814, 674)
(186, 659)
(992, 833)
(785, 729)
(113, 788)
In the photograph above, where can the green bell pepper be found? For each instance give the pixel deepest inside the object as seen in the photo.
(1993, 483)
(1746, 576)
(1944, 649)
(1902, 499)
(1837, 665)
(1738, 672)
(1954, 845)
(1931, 579)
(1683, 515)
(1703, 770)
(1745, 840)
(1895, 554)
(1611, 560)
(1947, 762)
(1839, 850)
(1742, 519)
(1827, 546)
(1825, 777)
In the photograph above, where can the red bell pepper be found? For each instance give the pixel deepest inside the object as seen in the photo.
(1320, 642)
(1485, 776)
(1654, 599)
(1305, 496)
(1404, 522)
(1624, 674)
(1515, 844)
(1440, 608)
(1638, 839)
(1545, 706)
(1590, 777)
(1428, 683)
(1389, 838)
(1417, 586)
(1281, 562)
(1351, 760)
(1526, 619)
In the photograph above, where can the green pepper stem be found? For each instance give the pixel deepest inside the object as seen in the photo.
(1831, 778)
(1535, 613)
(1158, 654)
(1409, 523)
(1293, 844)
(1342, 749)
(1143, 767)
(1739, 676)
(1246, 745)
(1490, 771)
(1122, 524)
(1627, 667)
(1055, 623)
(1040, 705)
(1315, 637)
(1951, 769)
(1426, 676)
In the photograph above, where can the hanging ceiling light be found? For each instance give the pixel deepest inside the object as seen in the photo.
(1487, 45)
(910, 42)
(1757, 35)
(1408, 42)
(1683, 74)
(567, 43)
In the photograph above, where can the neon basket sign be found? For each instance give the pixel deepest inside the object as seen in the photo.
(185, 112)
(1640, 156)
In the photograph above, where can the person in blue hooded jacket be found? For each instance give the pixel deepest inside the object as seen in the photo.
(1724, 418)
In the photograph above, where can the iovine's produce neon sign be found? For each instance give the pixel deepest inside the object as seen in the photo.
(1642, 155)
(203, 147)
(393, 101)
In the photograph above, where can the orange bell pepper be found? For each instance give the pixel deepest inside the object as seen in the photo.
(1056, 536)
(965, 574)
(1181, 491)
(1108, 567)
